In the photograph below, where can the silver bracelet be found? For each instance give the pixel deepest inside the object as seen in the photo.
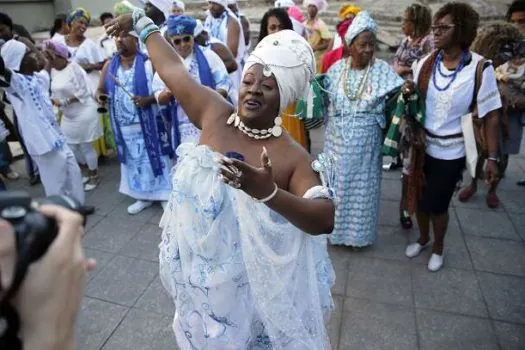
(142, 23)
(270, 197)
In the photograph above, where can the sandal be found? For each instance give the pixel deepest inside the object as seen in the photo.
(406, 220)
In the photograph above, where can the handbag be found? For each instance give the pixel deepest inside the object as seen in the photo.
(473, 128)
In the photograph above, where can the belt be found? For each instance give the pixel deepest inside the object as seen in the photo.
(444, 137)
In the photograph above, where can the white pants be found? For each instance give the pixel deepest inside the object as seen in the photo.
(60, 174)
(85, 154)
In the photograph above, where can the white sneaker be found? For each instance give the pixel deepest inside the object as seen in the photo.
(435, 263)
(414, 249)
(85, 180)
(138, 206)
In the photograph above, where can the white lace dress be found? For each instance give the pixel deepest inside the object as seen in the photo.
(241, 276)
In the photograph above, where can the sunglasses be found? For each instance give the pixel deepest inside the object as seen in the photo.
(185, 39)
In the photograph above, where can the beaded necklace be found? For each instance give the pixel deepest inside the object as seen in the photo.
(436, 69)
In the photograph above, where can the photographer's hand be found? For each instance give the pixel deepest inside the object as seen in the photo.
(50, 296)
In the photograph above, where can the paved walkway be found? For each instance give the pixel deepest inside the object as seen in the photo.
(384, 301)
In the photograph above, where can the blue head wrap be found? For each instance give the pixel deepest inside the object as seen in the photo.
(181, 25)
(363, 22)
(79, 13)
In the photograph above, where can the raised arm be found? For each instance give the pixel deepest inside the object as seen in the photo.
(200, 103)
(234, 35)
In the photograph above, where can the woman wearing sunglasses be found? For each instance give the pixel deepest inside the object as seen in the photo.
(204, 66)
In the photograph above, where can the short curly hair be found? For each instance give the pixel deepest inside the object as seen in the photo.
(421, 17)
(490, 39)
(465, 19)
(516, 6)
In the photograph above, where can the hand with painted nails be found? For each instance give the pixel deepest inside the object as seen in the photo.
(255, 181)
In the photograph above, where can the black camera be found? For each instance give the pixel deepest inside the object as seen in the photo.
(34, 234)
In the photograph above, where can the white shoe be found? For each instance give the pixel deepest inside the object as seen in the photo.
(435, 263)
(164, 204)
(90, 187)
(414, 249)
(85, 180)
(138, 206)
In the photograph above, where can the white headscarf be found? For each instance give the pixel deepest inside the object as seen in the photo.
(220, 2)
(290, 58)
(232, 2)
(284, 3)
(179, 4)
(363, 22)
(199, 28)
(320, 4)
(13, 51)
(163, 5)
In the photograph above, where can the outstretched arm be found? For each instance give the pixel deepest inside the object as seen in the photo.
(226, 56)
(200, 103)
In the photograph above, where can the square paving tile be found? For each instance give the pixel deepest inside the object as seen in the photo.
(96, 321)
(505, 296)
(511, 336)
(490, 224)
(519, 223)
(391, 189)
(143, 330)
(111, 235)
(449, 290)
(372, 325)
(156, 299)
(391, 243)
(123, 280)
(446, 331)
(105, 199)
(389, 213)
(512, 202)
(379, 280)
(499, 256)
(102, 258)
(145, 245)
(92, 221)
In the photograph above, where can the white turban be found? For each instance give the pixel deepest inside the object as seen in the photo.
(220, 2)
(361, 23)
(199, 28)
(289, 57)
(163, 5)
(284, 3)
(179, 4)
(320, 4)
(13, 51)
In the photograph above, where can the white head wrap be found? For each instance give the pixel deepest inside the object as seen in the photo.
(163, 5)
(179, 4)
(284, 3)
(290, 58)
(320, 4)
(13, 51)
(361, 23)
(199, 28)
(232, 2)
(220, 2)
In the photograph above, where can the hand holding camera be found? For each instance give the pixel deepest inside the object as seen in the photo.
(51, 286)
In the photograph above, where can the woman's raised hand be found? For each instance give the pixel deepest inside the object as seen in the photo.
(255, 181)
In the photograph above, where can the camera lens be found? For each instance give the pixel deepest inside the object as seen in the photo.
(13, 213)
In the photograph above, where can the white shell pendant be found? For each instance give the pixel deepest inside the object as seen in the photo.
(267, 72)
(278, 121)
(237, 121)
(277, 131)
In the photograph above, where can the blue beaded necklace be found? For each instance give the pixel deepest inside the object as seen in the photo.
(452, 76)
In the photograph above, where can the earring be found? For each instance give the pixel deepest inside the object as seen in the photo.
(277, 129)
(234, 119)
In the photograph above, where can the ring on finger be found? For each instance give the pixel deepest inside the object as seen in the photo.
(236, 172)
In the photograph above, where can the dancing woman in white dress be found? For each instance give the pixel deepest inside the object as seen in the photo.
(243, 251)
